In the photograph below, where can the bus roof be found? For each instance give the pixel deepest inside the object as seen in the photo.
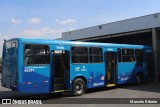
(76, 43)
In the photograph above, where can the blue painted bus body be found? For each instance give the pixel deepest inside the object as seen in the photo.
(38, 78)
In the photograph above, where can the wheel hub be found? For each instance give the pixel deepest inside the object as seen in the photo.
(79, 87)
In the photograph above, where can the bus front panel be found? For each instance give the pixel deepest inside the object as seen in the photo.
(9, 64)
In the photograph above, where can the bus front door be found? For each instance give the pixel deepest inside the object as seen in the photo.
(61, 68)
(111, 68)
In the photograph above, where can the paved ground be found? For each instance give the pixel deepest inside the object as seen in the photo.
(151, 90)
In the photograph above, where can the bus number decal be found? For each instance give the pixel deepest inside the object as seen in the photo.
(33, 68)
(28, 70)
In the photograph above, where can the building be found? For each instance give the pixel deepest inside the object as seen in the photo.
(143, 30)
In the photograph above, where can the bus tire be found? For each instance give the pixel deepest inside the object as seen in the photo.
(79, 87)
(139, 78)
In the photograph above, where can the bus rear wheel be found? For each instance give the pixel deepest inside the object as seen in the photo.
(79, 87)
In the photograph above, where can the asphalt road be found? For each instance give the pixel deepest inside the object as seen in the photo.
(150, 90)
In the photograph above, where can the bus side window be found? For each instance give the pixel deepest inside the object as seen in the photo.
(128, 55)
(131, 55)
(119, 54)
(36, 54)
(79, 54)
(95, 55)
(139, 55)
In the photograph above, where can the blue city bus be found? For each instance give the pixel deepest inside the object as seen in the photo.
(50, 66)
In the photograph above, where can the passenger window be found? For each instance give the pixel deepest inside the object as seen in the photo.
(128, 55)
(139, 54)
(36, 54)
(79, 54)
(119, 55)
(96, 55)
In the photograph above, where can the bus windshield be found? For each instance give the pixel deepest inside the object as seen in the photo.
(9, 61)
(9, 48)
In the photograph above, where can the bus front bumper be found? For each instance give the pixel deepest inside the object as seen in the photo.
(10, 86)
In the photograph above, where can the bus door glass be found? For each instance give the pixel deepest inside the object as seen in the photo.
(61, 68)
(111, 67)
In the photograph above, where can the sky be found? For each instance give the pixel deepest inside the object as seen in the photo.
(47, 19)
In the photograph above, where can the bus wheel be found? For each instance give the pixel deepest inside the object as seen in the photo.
(139, 78)
(78, 87)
